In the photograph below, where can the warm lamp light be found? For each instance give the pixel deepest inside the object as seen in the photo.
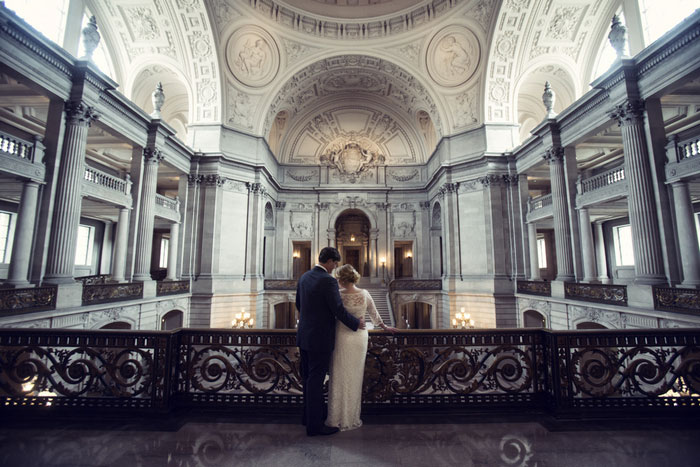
(352, 238)
(242, 320)
(462, 320)
(295, 254)
(409, 254)
(382, 260)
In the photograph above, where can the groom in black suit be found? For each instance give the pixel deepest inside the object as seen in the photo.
(319, 304)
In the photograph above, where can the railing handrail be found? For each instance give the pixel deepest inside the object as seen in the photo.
(98, 177)
(172, 204)
(602, 180)
(539, 202)
(18, 147)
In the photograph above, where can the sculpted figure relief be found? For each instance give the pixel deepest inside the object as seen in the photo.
(351, 159)
(252, 58)
(453, 56)
(455, 59)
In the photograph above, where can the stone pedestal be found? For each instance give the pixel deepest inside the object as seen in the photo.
(120, 245)
(534, 258)
(172, 251)
(589, 270)
(687, 235)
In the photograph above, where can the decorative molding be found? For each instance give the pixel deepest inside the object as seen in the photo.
(599, 293)
(628, 113)
(402, 176)
(304, 176)
(80, 114)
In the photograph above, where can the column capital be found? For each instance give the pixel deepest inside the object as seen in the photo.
(152, 155)
(629, 112)
(256, 188)
(425, 205)
(382, 206)
(448, 188)
(79, 113)
(554, 154)
(194, 179)
(213, 180)
(280, 205)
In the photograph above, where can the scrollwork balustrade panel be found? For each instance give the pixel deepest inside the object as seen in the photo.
(83, 369)
(629, 370)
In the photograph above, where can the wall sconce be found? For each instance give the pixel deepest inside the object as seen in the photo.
(409, 254)
(242, 320)
(296, 255)
(352, 238)
(462, 320)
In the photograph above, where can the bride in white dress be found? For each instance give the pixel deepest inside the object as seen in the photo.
(348, 361)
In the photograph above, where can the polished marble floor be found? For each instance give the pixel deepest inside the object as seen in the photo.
(210, 444)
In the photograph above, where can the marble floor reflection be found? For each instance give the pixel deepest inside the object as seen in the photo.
(375, 444)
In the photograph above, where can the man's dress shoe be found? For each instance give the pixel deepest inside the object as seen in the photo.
(323, 431)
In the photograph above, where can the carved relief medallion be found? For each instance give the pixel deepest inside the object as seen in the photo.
(252, 56)
(453, 56)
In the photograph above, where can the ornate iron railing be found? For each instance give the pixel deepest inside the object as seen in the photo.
(674, 299)
(535, 288)
(26, 300)
(105, 293)
(172, 287)
(412, 284)
(271, 284)
(584, 372)
(599, 293)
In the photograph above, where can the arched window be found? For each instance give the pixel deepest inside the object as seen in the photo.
(171, 320)
(534, 319)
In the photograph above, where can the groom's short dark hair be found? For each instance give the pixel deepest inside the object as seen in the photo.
(328, 253)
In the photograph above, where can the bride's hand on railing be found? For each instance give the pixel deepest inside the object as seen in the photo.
(388, 328)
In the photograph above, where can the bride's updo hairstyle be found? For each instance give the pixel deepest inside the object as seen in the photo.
(346, 273)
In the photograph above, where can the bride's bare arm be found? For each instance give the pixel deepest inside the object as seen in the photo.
(374, 314)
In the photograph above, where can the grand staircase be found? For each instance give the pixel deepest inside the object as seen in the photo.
(379, 295)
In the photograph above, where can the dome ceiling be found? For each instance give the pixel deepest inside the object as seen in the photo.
(352, 9)
(353, 98)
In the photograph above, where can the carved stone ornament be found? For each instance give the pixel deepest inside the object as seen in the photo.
(628, 113)
(152, 155)
(548, 98)
(554, 155)
(90, 38)
(77, 113)
(453, 56)
(158, 98)
(618, 36)
(252, 56)
(350, 159)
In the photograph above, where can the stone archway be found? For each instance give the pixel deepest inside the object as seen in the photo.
(354, 241)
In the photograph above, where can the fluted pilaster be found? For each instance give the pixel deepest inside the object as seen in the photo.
(24, 234)
(532, 242)
(648, 259)
(121, 245)
(589, 273)
(172, 251)
(562, 230)
(152, 158)
(687, 235)
(66, 213)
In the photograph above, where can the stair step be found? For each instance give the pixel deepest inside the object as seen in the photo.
(380, 302)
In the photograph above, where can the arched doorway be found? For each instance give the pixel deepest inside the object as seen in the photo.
(286, 315)
(171, 320)
(415, 315)
(534, 319)
(117, 325)
(352, 239)
(590, 325)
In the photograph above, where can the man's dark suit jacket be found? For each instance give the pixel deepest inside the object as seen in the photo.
(319, 304)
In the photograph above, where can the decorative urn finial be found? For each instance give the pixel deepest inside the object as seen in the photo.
(91, 38)
(158, 98)
(548, 99)
(618, 36)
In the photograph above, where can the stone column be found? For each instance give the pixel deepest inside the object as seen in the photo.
(282, 244)
(152, 158)
(648, 259)
(373, 261)
(172, 251)
(562, 232)
(600, 254)
(450, 232)
(687, 235)
(24, 234)
(66, 213)
(119, 264)
(589, 272)
(331, 237)
(534, 257)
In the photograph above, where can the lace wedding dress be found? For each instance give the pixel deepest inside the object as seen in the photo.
(348, 363)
